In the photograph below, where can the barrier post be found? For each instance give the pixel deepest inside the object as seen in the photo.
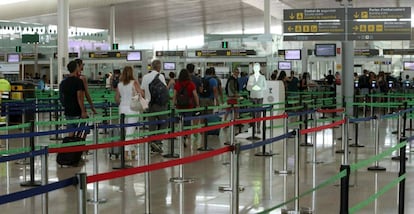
(344, 206)
(171, 153)
(314, 134)
(32, 181)
(56, 119)
(235, 181)
(400, 134)
(45, 181)
(180, 178)
(23, 161)
(376, 167)
(305, 142)
(284, 170)
(264, 153)
(95, 199)
(123, 137)
(344, 138)
(147, 179)
(82, 191)
(401, 186)
(296, 174)
(204, 134)
(356, 134)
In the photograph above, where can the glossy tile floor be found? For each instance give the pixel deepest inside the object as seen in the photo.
(263, 187)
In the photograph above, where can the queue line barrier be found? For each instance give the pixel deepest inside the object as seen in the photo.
(261, 119)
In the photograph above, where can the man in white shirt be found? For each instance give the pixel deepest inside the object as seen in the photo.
(153, 107)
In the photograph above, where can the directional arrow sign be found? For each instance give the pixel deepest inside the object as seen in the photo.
(381, 13)
(314, 14)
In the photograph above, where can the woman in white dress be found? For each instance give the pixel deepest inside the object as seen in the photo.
(126, 89)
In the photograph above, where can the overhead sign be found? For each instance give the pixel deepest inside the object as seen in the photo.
(314, 14)
(379, 30)
(398, 51)
(169, 53)
(108, 54)
(366, 52)
(330, 24)
(201, 53)
(380, 13)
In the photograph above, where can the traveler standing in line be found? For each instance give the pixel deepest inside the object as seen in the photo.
(171, 81)
(256, 85)
(185, 95)
(85, 83)
(292, 83)
(154, 106)
(197, 82)
(232, 91)
(208, 91)
(304, 82)
(220, 98)
(72, 92)
(128, 86)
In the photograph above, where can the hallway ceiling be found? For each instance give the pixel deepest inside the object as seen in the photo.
(140, 20)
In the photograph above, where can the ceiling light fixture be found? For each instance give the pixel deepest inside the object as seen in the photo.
(6, 2)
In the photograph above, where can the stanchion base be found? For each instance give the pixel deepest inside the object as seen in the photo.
(122, 167)
(341, 151)
(180, 180)
(99, 201)
(253, 138)
(315, 162)
(226, 163)
(397, 158)
(171, 156)
(229, 189)
(283, 172)
(205, 149)
(409, 129)
(264, 154)
(376, 168)
(356, 145)
(22, 162)
(31, 184)
(54, 138)
(306, 144)
(340, 138)
(303, 210)
(394, 132)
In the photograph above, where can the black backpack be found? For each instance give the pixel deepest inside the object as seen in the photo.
(183, 98)
(205, 90)
(159, 91)
(236, 84)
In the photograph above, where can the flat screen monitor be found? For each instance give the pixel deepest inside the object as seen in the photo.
(325, 50)
(169, 66)
(134, 56)
(293, 54)
(284, 65)
(408, 66)
(13, 57)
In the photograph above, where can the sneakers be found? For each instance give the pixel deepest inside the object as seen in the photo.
(156, 148)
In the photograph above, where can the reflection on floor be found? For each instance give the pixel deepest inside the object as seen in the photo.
(263, 188)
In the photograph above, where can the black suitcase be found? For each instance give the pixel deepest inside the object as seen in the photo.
(71, 158)
(115, 151)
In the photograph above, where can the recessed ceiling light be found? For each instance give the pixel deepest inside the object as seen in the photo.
(4, 2)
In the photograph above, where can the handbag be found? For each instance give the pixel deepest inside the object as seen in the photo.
(138, 103)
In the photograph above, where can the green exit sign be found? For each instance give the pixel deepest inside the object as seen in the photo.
(225, 44)
(30, 38)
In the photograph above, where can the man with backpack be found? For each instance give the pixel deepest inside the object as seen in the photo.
(157, 95)
(208, 92)
(232, 90)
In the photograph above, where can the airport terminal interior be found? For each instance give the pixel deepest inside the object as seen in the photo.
(321, 120)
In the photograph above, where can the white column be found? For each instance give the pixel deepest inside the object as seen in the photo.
(63, 39)
(267, 17)
(112, 25)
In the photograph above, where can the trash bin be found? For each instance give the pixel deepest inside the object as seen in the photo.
(22, 104)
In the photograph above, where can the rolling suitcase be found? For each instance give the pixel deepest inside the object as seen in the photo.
(71, 158)
(115, 151)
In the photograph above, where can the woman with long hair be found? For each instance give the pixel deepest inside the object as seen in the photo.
(128, 86)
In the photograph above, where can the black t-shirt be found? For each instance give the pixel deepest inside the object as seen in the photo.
(69, 88)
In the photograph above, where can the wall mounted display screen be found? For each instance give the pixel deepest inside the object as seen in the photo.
(408, 65)
(134, 56)
(13, 57)
(293, 54)
(284, 65)
(325, 49)
(169, 65)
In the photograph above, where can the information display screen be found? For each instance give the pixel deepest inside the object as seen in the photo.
(134, 56)
(325, 50)
(13, 57)
(293, 54)
(169, 66)
(408, 66)
(284, 65)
